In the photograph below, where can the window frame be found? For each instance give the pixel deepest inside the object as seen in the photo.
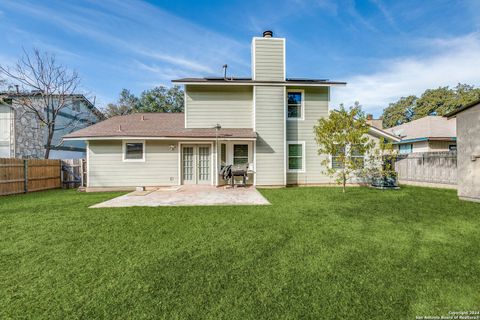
(302, 104)
(405, 144)
(248, 152)
(333, 156)
(223, 149)
(124, 150)
(362, 156)
(303, 170)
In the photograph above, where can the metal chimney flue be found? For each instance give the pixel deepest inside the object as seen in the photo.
(225, 66)
(267, 33)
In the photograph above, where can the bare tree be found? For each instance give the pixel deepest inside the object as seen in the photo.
(47, 87)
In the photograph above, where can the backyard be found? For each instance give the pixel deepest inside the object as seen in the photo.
(314, 253)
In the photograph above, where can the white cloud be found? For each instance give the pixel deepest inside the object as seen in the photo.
(450, 61)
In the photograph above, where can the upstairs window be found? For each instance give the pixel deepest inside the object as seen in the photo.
(295, 104)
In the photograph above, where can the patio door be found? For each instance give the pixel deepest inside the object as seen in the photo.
(196, 164)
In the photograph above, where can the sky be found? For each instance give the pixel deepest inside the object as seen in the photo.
(383, 49)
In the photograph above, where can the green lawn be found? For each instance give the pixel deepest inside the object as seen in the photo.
(315, 253)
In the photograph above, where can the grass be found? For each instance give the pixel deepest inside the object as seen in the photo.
(315, 253)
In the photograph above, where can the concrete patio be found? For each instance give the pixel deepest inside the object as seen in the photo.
(187, 196)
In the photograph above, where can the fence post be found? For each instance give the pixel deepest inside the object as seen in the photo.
(25, 176)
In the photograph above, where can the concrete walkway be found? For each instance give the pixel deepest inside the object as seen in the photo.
(187, 196)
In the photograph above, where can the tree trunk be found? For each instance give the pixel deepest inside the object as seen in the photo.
(344, 182)
(48, 145)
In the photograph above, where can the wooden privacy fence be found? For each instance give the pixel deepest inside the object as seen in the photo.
(21, 176)
(429, 168)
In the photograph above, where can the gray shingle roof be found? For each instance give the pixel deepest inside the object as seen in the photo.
(155, 125)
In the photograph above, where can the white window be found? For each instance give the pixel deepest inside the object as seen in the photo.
(357, 156)
(240, 154)
(296, 156)
(134, 150)
(295, 104)
(353, 151)
(336, 158)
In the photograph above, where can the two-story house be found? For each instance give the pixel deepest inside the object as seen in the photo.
(23, 135)
(265, 122)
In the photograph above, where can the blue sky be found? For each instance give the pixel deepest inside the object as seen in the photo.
(383, 49)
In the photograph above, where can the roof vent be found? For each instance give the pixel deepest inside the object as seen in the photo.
(267, 34)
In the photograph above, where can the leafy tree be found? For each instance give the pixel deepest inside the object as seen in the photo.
(438, 101)
(162, 99)
(442, 100)
(158, 99)
(127, 103)
(343, 135)
(399, 112)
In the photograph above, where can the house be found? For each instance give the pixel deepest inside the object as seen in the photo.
(22, 135)
(468, 152)
(427, 134)
(264, 123)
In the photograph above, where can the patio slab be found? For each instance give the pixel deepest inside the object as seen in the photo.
(187, 196)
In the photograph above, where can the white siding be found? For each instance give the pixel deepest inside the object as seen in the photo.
(230, 106)
(5, 131)
(269, 64)
(108, 170)
(316, 107)
(270, 126)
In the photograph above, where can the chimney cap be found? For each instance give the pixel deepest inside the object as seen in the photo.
(267, 33)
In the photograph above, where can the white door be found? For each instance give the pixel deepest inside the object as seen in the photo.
(5, 131)
(196, 164)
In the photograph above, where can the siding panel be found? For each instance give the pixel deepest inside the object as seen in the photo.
(230, 106)
(108, 170)
(269, 59)
(316, 107)
(270, 125)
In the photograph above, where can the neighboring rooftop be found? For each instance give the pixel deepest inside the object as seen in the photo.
(249, 81)
(426, 128)
(155, 125)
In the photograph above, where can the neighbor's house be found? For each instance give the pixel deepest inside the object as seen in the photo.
(22, 135)
(468, 152)
(427, 134)
(264, 122)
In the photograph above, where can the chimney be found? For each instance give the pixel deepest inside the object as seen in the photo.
(268, 58)
(377, 123)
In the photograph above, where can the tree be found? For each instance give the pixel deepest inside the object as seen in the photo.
(343, 135)
(399, 112)
(127, 103)
(162, 99)
(158, 99)
(46, 88)
(439, 101)
(442, 100)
